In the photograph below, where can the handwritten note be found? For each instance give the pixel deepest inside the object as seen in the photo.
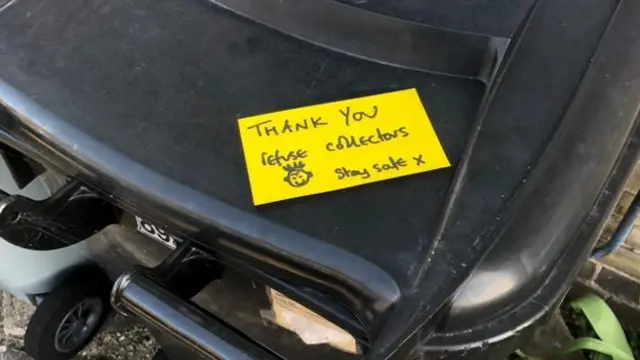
(321, 148)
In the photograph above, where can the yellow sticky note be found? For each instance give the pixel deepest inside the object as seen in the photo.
(338, 145)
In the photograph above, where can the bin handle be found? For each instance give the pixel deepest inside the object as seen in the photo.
(201, 332)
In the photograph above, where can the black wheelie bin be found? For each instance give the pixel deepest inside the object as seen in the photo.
(534, 103)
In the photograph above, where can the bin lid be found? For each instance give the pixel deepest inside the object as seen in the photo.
(162, 85)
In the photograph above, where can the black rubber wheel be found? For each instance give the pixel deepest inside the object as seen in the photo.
(68, 318)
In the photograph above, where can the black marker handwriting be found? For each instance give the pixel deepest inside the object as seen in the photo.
(344, 173)
(288, 126)
(278, 159)
(393, 164)
(358, 115)
(297, 176)
(390, 164)
(419, 160)
(351, 141)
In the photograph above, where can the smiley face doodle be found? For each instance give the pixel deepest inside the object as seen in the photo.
(296, 175)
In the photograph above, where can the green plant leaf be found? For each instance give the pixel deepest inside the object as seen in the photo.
(598, 346)
(525, 356)
(604, 323)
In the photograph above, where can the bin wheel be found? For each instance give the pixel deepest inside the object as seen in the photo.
(67, 320)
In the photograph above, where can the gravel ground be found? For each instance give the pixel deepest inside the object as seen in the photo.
(116, 343)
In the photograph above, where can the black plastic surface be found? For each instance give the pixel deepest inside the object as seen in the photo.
(494, 17)
(375, 37)
(178, 115)
(141, 98)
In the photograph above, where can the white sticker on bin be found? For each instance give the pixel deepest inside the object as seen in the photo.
(156, 233)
